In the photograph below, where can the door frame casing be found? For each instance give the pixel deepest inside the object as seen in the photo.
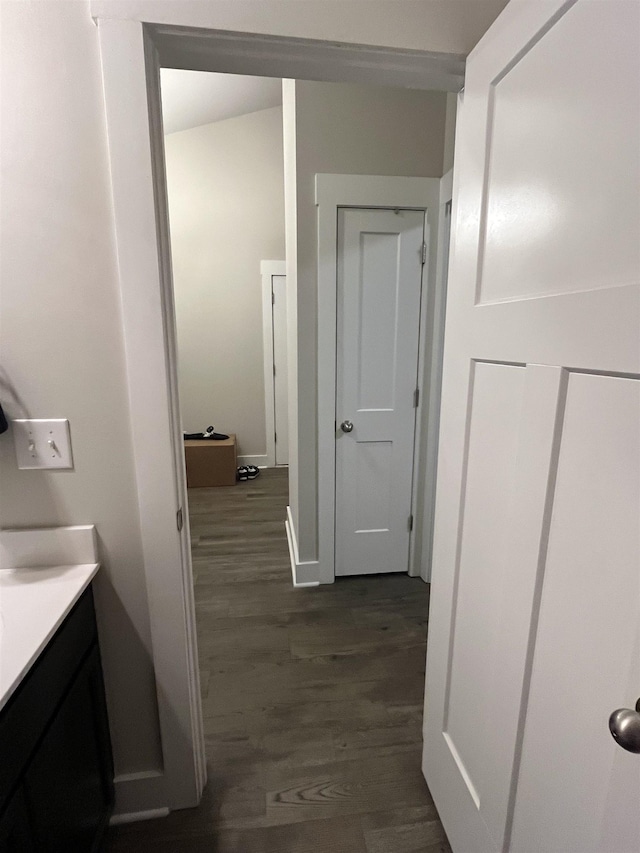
(434, 371)
(130, 71)
(372, 191)
(267, 270)
(131, 52)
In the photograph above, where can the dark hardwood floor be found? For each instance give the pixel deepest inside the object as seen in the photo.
(312, 698)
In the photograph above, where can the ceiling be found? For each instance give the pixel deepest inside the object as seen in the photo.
(193, 98)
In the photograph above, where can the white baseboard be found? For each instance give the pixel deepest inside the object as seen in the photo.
(139, 796)
(303, 573)
(260, 461)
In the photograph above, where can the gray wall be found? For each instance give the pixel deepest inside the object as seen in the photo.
(226, 206)
(344, 129)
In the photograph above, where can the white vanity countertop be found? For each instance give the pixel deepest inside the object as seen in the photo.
(43, 572)
(33, 605)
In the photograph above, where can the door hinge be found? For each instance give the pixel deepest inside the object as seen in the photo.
(275, 436)
(416, 398)
(424, 253)
(273, 298)
(410, 525)
(274, 370)
(180, 519)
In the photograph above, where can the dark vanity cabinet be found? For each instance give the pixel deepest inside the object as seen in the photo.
(56, 772)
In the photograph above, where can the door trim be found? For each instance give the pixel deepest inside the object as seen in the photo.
(189, 40)
(332, 192)
(131, 71)
(427, 487)
(267, 270)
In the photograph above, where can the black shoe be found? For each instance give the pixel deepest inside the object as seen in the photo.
(208, 433)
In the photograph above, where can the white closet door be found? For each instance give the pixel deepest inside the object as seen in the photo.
(535, 605)
(379, 286)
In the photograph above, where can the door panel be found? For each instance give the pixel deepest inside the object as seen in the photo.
(68, 785)
(535, 563)
(378, 311)
(587, 630)
(374, 461)
(376, 299)
(544, 196)
(483, 576)
(280, 378)
(15, 826)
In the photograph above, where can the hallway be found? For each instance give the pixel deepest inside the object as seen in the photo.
(312, 698)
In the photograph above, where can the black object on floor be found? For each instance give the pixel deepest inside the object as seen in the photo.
(207, 434)
(248, 472)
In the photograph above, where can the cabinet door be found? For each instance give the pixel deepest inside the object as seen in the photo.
(68, 784)
(15, 831)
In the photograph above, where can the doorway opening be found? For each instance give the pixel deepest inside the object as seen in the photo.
(320, 113)
(225, 190)
(297, 681)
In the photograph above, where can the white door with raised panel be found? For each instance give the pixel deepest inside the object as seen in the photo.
(535, 602)
(378, 325)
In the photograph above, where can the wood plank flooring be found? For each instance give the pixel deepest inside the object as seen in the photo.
(312, 698)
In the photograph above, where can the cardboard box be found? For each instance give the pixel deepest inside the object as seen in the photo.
(211, 463)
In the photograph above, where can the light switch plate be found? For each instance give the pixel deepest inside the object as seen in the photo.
(42, 443)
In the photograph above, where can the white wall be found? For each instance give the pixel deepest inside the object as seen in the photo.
(344, 129)
(61, 346)
(226, 206)
(193, 98)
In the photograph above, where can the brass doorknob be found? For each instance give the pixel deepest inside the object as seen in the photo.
(624, 725)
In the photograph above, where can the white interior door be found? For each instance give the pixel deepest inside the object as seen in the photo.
(280, 375)
(535, 608)
(378, 324)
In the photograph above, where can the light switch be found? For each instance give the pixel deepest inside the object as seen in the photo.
(42, 444)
